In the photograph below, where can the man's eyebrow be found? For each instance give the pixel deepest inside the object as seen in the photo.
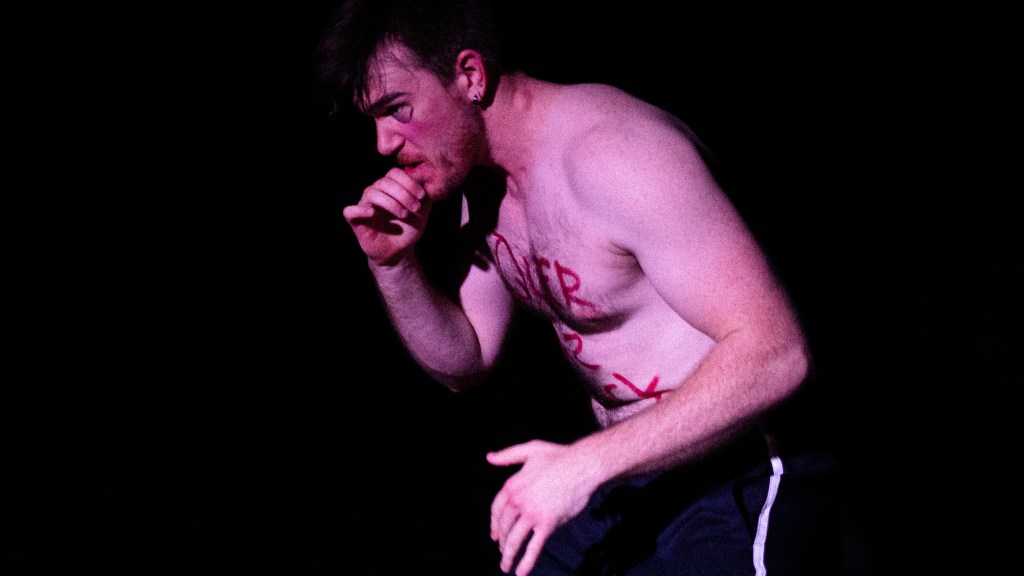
(377, 107)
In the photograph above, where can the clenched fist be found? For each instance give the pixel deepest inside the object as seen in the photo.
(390, 217)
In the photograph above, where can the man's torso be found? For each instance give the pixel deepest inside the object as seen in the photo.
(560, 259)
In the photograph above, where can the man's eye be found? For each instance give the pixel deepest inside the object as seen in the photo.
(402, 113)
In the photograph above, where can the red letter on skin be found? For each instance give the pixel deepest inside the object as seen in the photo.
(573, 337)
(542, 277)
(568, 289)
(523, 282)
(648, 393)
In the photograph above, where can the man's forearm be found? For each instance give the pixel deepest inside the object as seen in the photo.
(436, 332)
(732, 389)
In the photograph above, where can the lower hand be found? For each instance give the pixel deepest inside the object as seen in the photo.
(552, 486)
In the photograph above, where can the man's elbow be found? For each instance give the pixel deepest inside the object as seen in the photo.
(795, 366)
(460, 382)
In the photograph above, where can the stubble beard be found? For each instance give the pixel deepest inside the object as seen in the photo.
(467, 148)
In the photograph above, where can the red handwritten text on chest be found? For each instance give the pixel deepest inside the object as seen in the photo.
(577, 347)
(538, 288)
(532, 281)
(649, 392)
(573, 345)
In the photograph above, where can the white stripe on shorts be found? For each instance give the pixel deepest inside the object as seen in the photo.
(762, 522)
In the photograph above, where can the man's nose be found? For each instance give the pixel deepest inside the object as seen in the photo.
(388, 140)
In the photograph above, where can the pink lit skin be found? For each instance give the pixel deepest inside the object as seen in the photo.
(567, 290)
(420, 125)
(569, 283)
(574, 354)
(656, 275)
(568, 280)
(648, 392)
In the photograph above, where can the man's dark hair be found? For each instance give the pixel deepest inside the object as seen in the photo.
(435, 31)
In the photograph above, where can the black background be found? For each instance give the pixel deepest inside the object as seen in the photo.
(204, 379)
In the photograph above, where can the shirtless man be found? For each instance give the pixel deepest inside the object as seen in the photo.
(612, 227)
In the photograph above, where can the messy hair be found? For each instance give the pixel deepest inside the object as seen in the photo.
(434, 31)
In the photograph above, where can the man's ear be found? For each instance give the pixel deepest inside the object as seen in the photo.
(471, 76)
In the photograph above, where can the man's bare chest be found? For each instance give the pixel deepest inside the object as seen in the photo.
(561, 264)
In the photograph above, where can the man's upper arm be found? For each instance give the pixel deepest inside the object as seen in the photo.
(484, 298)
(669, 212)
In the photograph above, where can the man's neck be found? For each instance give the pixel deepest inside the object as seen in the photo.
(511, 122)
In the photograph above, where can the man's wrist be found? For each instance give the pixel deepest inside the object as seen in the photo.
(395, 266)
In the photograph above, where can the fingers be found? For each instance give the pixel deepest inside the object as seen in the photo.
(516, 454)
(504, 521)
(395, 193)
(357, 211)
(498, 509)
(512, 543)
(518, 535)
(508, 528)
(533, 548)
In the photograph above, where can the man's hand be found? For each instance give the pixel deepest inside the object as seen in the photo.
(552, 486)
(390, 217)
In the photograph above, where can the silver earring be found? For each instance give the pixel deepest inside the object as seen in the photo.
(476, 99)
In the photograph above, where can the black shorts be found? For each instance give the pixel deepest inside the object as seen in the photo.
(753, 508)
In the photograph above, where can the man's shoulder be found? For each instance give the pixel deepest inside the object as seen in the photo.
(615, 132)
(605, 107)
(600, 118)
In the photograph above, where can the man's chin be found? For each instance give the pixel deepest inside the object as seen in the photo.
(440, 194)
(439, 191)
